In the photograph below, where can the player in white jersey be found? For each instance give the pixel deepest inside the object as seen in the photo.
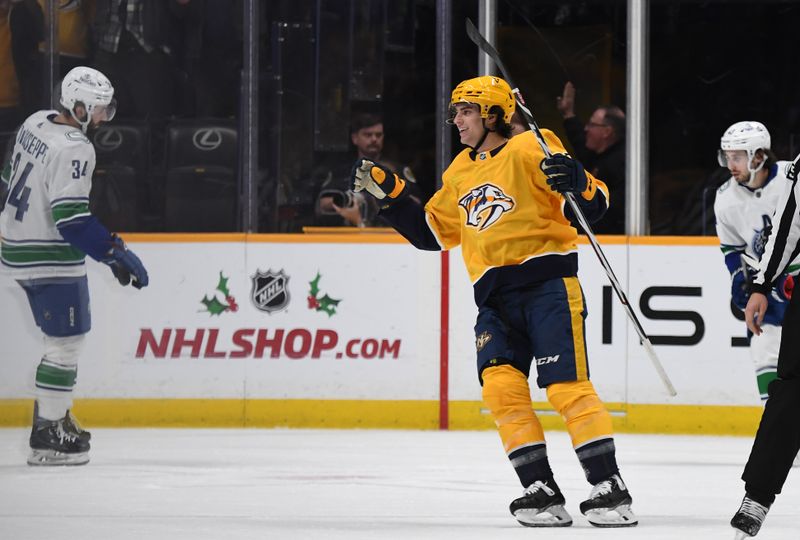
(47, 230)
(743, 208)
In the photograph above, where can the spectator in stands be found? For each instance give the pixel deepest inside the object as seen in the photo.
(600, 146)
(133, 42)
(210, 52)
(9, 87)
(336, 204)
(73, 33)
(26, 23)
(26, 28)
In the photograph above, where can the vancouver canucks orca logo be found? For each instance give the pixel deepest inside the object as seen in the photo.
(485, 205)
(760, 237)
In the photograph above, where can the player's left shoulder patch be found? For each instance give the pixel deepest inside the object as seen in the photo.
(77, 136)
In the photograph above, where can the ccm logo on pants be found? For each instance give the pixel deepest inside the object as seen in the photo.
(546, 360)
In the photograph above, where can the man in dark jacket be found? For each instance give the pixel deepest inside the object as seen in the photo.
(600, 146)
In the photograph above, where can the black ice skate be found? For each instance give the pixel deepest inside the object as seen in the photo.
(609, 504)
(70, 422)
(56, 443)
(541, 506)
(749, 518)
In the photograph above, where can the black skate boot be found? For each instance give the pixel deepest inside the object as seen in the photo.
(609, 504)
(749, 518)
(54, 442)
(541, 506)
(71, 423)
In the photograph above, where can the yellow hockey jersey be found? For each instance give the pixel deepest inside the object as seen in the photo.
(511, 226)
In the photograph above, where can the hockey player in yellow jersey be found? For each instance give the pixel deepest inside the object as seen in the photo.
(503, 202)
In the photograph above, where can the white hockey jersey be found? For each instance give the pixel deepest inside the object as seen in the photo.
(745, 216)
(48, 179)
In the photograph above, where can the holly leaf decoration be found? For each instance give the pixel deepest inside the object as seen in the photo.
(314, 286)
(222, 286)
(214, 306)
(328, 305)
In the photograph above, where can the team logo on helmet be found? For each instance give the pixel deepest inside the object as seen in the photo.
(485, 205)
(269, 292)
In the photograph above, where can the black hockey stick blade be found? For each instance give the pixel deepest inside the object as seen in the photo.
(487, 48)
(476, 37)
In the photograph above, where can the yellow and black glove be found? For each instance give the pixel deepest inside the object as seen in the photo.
(378, 181)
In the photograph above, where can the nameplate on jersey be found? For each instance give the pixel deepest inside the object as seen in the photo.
(32, 144)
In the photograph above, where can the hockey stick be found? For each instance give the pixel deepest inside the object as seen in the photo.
(484, 46)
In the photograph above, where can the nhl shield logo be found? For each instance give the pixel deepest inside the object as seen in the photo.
(269, 292)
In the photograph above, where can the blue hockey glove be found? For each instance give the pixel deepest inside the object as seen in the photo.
(125, 265)
(740, 286)
(564, 174)
(378, 181)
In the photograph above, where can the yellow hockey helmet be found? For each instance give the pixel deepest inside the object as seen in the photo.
(486, 92)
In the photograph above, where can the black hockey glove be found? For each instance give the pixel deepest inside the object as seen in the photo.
(564, 174)
(125, 265)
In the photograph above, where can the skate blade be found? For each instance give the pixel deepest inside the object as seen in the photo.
(741, 535)
(621, 516)
(555, 516)
(53, 458)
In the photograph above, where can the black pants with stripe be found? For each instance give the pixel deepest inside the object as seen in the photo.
(778, 439)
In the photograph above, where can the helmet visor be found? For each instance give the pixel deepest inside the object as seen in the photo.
(451, 115)
(105, 113)
(453, 110)
(726, 158)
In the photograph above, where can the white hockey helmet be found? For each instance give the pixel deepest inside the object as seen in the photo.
(88, 87)
(749, 136)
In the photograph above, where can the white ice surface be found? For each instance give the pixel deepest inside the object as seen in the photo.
(189, 484)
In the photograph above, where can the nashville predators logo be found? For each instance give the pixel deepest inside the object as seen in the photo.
(485, 205)
(482, 340)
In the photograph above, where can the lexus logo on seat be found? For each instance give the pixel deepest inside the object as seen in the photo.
(207, 139)
(108, 139)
